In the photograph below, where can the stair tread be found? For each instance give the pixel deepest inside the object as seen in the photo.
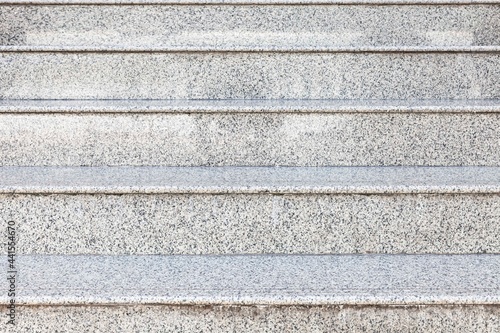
(250, 28)
(220, 180)
(250, 105)
(259, 279)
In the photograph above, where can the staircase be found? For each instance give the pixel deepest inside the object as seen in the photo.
(250, 165)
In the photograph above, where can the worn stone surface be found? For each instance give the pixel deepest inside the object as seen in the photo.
(237, 75)
(444, 319)
(232, 224)
(347, 139)
(250, 28)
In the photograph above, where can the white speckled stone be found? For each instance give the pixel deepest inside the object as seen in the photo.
(254, 223)
(254, 280)
(250, 28)
(237, 75)
(250, 106)
(280, 319)
(251, 139)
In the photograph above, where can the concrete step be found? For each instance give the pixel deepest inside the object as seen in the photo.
(251, 133)
(278, 293)
(240, 75)
(296, 28)
(158, 210)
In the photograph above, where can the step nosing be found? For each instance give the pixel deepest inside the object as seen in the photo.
(371, 279)
(256, 49)
(249, 180)
(249, 106)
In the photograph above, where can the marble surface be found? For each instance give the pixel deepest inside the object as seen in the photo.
(250, 28)
(251, 106)
(249, 75)
(259, 280)
(251, 139)
(361, 180)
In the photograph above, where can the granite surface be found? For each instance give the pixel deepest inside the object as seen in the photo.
(259, 280)
(240, 75)
(251, 106)
(250, 28)
(220, 180)
(257, 139)
(251, 223)
(215, 319)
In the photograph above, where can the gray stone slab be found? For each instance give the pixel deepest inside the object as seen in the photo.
(254, 280)
(334, 319)
(250, 28)
(250, 106)
(257, 139)
(253, 223)
(221, 180)
(236, 75)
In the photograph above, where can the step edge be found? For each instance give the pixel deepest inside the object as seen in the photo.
(249, 180)
(299, 301)
(381, 280)
(253, 49)
(249, 106)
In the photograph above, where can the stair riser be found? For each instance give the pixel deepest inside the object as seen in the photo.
(265, 223)
(249, 75)
(247, 27)
(250, 139)
(445, 319)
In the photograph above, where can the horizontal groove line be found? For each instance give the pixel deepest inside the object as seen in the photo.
(416, 50)
(377, 192)
(145, 113)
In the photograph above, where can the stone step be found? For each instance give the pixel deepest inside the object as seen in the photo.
(259, 279)
(275, 293)
(248, 75)
(254, 28)
(250, 133)
(161, 210)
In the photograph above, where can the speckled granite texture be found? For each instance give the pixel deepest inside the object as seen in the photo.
(218, 319)
(235, 224)
(264, 280)
(307, 139)
(241, 75)
(251, 106)
(250, 28)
